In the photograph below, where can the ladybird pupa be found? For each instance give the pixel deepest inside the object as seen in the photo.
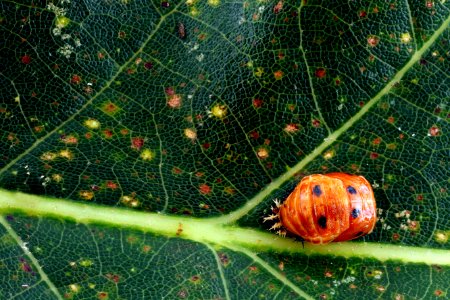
(328, 208)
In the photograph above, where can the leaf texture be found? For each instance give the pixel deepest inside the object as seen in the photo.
(213, 109)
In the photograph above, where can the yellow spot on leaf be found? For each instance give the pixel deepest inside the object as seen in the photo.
(126, 199)
(75, 288)
(92, 123)
(405, 38)
(391, 146)
(193, 11)
(375, 273)
(329, 154)
(190, 133)
(49, 156)
(262, 153)
(147, 154)
(389, 177)
(86, 263)
(259, 71)
(219, 111)
(134, 203)
(441, 236)
(214, 3)
(66, 153)
(86, 195)
(57, 178)
(130, 200)
(62, 21)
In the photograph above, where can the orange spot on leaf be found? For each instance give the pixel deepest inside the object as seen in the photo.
(320, 73)
(434, 131)
(278, 74)
(257, 103)
(76, 79)
(137, 143)
(205, 189)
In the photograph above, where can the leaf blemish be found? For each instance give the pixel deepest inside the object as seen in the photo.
(173, 100)
(320, 72)
(147, 155)
(373, 40)
(205, 189)
(92, 123)
(292, 128)
(262, 152)
(181, 31)
(219, 111)
(434, 131)
(257, 103)
(190, 133)
(137, 143)
(26, 59)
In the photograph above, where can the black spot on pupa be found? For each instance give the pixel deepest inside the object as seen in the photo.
(322, 221)
(351, 190)
(355, 213)
(317, 190)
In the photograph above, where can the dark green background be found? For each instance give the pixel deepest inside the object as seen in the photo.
(217, 63)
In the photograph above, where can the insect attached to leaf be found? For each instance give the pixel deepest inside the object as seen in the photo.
(327, 208)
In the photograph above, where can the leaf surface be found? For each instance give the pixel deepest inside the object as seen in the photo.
(165, 130)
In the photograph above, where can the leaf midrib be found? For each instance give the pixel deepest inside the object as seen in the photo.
(208, 231)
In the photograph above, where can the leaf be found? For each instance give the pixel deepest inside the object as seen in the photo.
(143, 143)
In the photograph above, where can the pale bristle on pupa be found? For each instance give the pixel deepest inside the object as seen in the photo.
(275, 216)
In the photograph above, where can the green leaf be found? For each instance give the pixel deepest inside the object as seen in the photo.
(143, 143)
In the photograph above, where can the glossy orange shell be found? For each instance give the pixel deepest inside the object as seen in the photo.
(330, 208)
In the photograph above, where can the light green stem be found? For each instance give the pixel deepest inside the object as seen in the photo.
(203, 230)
